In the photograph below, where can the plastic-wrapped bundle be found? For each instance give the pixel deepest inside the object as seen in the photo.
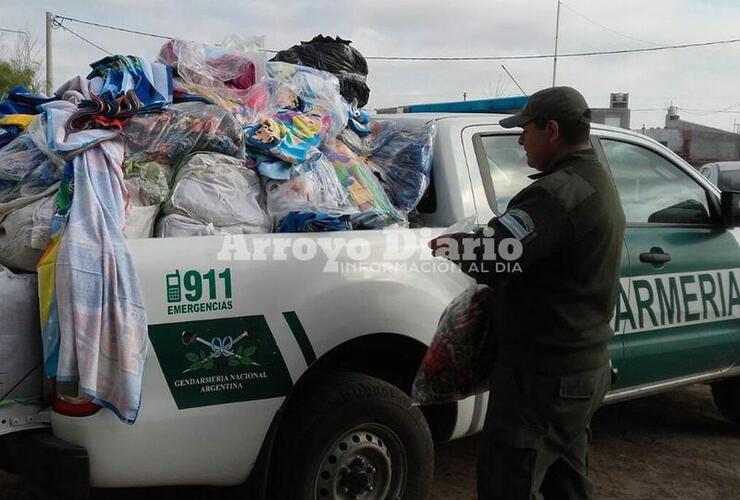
(20, 338)
(148, 185)
(148, 182)
(180, 226)
(24, 234)
(289, 136)
(380, 132)
(314, 92)
(373, 204)
(223, 71)
(181, 129)
(462, 352)
(336, 56)
(405, 164)
(28, 168)
(312, 187)
(216, 189)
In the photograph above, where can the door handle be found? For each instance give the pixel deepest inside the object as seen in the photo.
(656, 256)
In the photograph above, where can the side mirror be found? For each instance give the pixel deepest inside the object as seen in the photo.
(731, 208)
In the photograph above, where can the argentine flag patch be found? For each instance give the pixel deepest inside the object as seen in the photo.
(518, 222)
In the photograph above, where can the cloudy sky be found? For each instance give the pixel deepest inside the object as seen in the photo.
(699, 81)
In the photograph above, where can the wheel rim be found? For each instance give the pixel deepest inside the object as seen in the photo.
(367, 462)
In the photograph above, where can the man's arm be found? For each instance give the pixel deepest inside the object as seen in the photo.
(534, 226)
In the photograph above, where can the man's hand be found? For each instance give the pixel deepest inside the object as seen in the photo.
(448, 246)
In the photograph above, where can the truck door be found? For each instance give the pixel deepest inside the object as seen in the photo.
(498, 173)
(679, 315)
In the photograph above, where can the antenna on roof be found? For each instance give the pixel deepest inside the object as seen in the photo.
(513, 79)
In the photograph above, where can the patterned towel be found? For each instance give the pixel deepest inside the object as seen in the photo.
(92, 308)
(102, 320)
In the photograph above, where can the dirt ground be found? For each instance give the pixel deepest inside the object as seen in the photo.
(670, 446)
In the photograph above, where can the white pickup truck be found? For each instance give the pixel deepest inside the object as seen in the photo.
(289, 357)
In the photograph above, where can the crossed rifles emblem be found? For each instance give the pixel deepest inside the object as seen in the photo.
(219, 346)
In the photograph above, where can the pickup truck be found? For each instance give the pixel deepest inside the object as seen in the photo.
(288, 359)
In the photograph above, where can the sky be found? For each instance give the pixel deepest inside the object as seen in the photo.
(699, 81)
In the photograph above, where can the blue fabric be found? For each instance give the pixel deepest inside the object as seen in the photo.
(20, 101)
(278, 170)
(405, 164)
(359, 122)
(309, 222)
(122, 86)
(8, 133)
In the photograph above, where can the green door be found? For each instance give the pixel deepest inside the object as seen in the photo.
(679, 313)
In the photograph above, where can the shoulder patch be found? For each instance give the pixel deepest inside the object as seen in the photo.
(518, 222)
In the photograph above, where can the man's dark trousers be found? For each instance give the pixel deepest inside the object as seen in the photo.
(536, 435)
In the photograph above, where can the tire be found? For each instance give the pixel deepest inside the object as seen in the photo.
(346, 436)
(726, 395)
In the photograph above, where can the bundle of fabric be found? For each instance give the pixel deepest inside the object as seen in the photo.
(296, 110)
(336, 56)
(20, 100)
(92, 309)
(171, 135)
(312, 187)
(27, 170)
(216, 189)
(30, 174)
(122, 86)
(404, 163)
(148, 185)
(20, 338)
(374, 207)
(24, 233)
(378, 133)
(222, 74)
(310, 222)
(17, 111)
(11, 127)
(316, 92)
(462, 352)
(290, 136)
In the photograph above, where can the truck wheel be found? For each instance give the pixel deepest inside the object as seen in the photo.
(726, 395)
(348, 436)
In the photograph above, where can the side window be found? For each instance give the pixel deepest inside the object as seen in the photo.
(653, 189)
(504, 168)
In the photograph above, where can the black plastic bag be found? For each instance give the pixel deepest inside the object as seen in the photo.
(335, 56)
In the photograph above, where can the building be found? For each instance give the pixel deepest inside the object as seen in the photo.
(617, 114)
(697, 144)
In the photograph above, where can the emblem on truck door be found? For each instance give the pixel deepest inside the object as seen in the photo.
(217, 361)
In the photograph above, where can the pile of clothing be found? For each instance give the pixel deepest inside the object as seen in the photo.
(206, 140)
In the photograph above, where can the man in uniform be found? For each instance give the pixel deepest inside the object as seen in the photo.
(552, 313)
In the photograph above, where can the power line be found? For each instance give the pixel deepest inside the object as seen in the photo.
(57, 24)
(574, 11)
(442, 58)
(549, 56)
(706, 112)
(6, 30)
(115, 28)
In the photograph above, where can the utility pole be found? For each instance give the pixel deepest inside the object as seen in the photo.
(49, 62)
(557, 33)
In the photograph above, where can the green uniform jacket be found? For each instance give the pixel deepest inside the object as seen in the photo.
(554, 316)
